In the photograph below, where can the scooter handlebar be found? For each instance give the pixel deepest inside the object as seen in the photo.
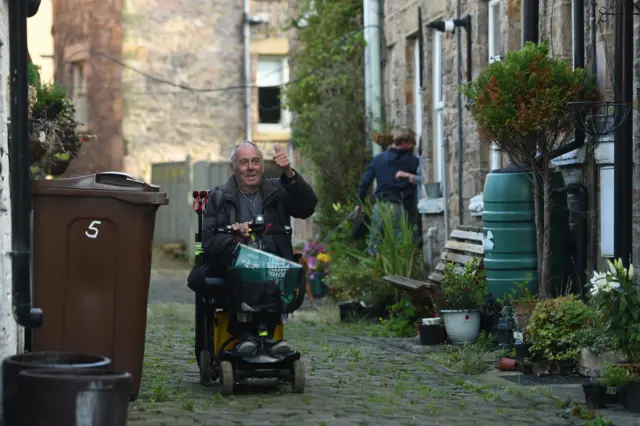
(273, 231)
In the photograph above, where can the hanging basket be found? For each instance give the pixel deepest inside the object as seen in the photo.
(600, 118)
(36, 150)
(382, 139)
(58, 167)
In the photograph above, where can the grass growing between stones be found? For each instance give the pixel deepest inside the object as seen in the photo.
(351, 376)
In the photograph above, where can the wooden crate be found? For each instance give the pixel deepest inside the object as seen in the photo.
(464, 244)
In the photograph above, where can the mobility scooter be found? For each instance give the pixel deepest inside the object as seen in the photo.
(239, 317)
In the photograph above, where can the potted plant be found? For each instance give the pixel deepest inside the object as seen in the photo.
(596, 348)
(615, 294)
(522, 105)
(463, 294)
(618, 381)
(319, 261)
(552, 327)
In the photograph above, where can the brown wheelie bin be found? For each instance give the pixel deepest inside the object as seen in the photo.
(92, 239)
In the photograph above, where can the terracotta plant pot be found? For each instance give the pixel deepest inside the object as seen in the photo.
(507, 364)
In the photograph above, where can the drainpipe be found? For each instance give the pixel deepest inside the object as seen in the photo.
(623, 147)
(247, 70)
(445, 184)
(594, 183)
(449, 27)
(373, 83)
(460, 130)
(23, 312)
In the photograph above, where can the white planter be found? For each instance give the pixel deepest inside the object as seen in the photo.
(462, 326)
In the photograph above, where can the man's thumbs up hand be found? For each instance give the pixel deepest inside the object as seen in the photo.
(282, 161)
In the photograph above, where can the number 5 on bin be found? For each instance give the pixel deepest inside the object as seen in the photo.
(92, 231)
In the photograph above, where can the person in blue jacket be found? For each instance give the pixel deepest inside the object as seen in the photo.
(399, 194)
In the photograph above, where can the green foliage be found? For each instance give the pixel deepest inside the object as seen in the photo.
(616, 295)
(463, 287)
(519, 294)
(616, 376)
(524, 99)
(397, 255)
(595, 338)
(33, 75)
(327, 97)
(553, 326)
(49, 94)
(402, 320)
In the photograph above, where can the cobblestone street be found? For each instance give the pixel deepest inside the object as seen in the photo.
(351, 379)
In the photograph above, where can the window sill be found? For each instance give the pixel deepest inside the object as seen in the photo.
(431, 206)
(281, 135)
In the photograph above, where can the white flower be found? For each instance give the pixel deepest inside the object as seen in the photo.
(630, 271)
(612, 267)
(603, 282)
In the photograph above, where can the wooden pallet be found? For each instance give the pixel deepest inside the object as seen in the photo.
(464, 244)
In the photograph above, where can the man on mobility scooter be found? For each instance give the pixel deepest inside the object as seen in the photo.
(248, 211)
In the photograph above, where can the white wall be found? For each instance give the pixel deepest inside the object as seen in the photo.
(8, 327)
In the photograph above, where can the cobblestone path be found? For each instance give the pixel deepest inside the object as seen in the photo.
(351, 380)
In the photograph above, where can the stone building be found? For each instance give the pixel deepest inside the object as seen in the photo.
(432, 108)
(157, 80)
(160, 80)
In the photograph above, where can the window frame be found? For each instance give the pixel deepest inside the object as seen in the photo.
(494, 51)
(438, 107)
(285, 115)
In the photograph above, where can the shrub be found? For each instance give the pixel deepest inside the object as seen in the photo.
(553, 326)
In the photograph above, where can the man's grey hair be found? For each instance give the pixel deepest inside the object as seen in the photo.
(234, 152)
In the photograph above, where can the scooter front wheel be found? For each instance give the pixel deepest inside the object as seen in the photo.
(227, 379)
(298, 381)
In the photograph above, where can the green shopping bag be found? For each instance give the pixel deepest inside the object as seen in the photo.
(256, 266)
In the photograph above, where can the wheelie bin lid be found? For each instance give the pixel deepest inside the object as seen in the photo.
(116, 185)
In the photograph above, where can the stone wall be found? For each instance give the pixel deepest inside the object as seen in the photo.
(91, 33)
(194, 102)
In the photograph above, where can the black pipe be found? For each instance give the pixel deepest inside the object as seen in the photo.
(594, 183)
(579, 209)
(460, 129)
(594, 64)
(623, 148)
(530, 21)
(19, 177)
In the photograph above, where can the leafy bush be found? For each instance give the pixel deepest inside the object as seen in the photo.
(553, 326)
(328, 99)
(463, 287)
(595, 338)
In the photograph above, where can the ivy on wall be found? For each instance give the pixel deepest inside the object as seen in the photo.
(327, 96)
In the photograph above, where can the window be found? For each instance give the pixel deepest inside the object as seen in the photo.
(273, 72)
(495, 54)
(495, 32)
(79, 92)
(438, 108)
